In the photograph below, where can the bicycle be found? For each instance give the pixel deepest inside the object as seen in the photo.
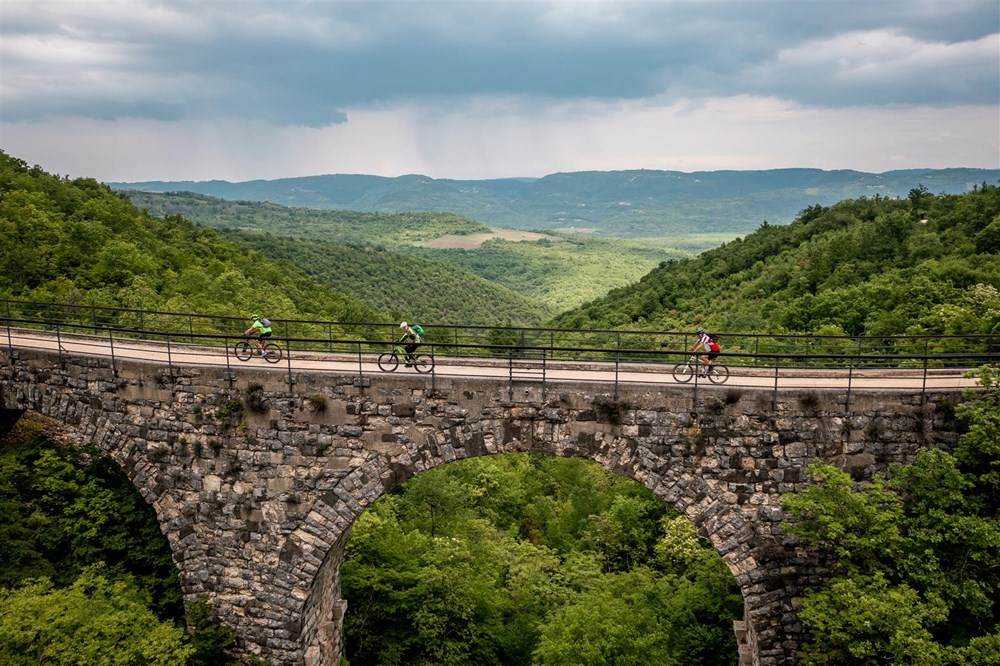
(244, 349)
(389, 361)
(683, 372)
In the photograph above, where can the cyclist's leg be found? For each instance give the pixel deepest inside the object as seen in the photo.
(707, 362)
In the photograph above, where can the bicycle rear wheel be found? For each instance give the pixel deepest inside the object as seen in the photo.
(683, 372)
(423, 363)
(718, 374)
(272, 353)
(388, 361)
(243, 350)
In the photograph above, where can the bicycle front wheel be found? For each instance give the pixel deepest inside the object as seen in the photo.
(243, 350)
(423, 363)
(272, 353)
(683, 372)
(718, 374)
(388, 361)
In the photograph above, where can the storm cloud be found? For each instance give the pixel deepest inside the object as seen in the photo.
(341, 77)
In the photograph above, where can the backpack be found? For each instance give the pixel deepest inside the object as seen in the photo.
(265, 322)
(417, 329)
(713, 342)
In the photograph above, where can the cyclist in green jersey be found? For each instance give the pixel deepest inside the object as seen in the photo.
(413, 333)
(261, 328)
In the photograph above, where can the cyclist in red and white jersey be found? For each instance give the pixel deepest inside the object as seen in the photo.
(708, 345)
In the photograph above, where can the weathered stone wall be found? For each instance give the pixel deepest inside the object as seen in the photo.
(256, 483)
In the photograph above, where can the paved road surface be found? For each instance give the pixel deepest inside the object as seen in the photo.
(554, 371)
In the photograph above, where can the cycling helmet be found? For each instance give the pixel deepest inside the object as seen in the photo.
(254, 317)
(700, 331)
(403, 325)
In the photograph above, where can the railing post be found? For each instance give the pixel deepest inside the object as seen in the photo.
(227, 351)
(510, 372)
(288, 357)
(10, 342)
(850, 378)
(617, 360)
(433, 370)
(361, 370)
(774, 395)
(923, 387)
(170, 362)
(111, 343)
(191, 328)
(697, 372)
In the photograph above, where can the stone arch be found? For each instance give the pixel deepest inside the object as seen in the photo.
(85, 426)
(315, 548)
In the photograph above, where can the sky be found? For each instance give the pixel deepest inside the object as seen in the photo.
(240, 90)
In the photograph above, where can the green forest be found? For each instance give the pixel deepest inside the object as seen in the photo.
(385, 258)
(927, 264)
(523, 559)
(402, 285)
(75, 241)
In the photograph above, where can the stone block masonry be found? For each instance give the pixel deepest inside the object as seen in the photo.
(256, 482)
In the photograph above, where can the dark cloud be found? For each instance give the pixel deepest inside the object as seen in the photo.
(304, 63)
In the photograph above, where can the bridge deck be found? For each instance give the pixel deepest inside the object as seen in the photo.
(515, 371)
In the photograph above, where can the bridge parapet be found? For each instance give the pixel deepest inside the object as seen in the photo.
(256, 479)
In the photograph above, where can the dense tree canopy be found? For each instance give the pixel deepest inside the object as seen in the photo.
(86, 575)
(76, 241)
(386, 258)
(400, 284)
(916, 555)
(860, 267)
(524, 559)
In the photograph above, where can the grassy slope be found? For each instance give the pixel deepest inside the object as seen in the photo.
(559, 275)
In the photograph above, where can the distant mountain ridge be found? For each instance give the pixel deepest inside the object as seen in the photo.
(635, 203)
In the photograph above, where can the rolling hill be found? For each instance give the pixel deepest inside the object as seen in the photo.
(622, 204)
(519, 277)
(872, 266)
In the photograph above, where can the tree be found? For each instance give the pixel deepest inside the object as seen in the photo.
(915, 556)
(93, 621)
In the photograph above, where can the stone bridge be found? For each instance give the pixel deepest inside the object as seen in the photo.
(257, 475)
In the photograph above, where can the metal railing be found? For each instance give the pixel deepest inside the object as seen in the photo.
(542, 355)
